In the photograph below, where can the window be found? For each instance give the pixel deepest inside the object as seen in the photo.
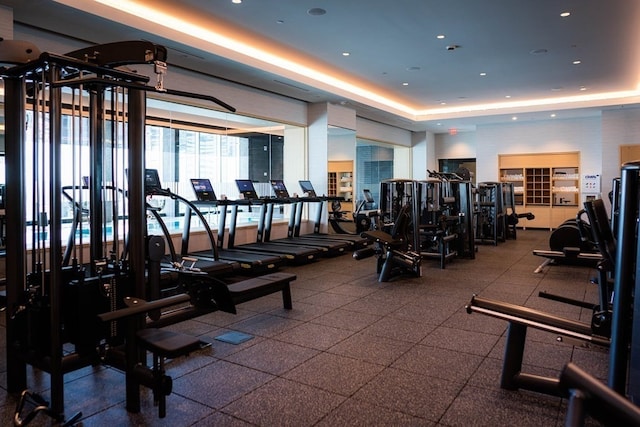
(374, 163)
(202, 144)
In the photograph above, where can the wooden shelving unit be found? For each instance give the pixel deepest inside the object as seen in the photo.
(547, 185)
(340, 182)
(565, 186)
(538, 186)
(515, 177)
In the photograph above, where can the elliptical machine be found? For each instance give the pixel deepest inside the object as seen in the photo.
(363, 217)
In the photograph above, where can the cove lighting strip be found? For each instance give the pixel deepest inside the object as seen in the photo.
(540, 102)
(157, 17)
(133, 13)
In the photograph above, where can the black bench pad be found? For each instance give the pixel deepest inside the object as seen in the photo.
(260, 286)
(166, 343)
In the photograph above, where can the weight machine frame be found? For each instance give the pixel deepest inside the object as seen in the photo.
(39, 85)
(111, 103)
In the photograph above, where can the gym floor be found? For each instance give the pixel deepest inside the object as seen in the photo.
(356, 352)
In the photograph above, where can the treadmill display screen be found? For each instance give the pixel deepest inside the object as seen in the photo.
(151, 181)
(367, 196)
(203, 189)
(246, 188)
(307, 187)
(279, 189)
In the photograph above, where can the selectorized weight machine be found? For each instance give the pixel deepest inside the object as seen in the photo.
(421, 219)
(50, 304)
(84, 284)
(446, 222)
(491, 226)
(394, 237)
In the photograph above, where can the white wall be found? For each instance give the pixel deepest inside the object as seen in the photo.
(402, 163)
(295, 148)
(459, 146)
(422, 152)
(583, 135)
(342, 146)
(318, 141)
(619, 127)
(548, 136)
(374, 131)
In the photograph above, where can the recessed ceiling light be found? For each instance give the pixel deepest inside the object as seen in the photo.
(514, 118)
(538, 51)
(345, 54)
(507, 96)
(583, 88)
(443, 103)
(565, 14)
(316, 11)
(236, 1)
(405, 84)
(577, 62)
(483, 74)
(440, 36)
(552, 115)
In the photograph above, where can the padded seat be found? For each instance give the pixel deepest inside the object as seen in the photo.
(260, 286)
(166, 343)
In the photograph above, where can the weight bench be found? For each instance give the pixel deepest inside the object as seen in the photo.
(390, 255)
(204, 292)
(165, 344)
(260, 286)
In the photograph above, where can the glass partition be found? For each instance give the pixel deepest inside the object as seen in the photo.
(184, 142)
(376, 162)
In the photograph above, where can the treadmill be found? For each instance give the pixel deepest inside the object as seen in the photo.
(214, 266)
(356, 241)
(334, 246)
(250, 262)
(295, 254)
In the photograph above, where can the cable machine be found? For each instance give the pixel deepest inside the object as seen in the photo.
(105, 106)
(446, 220)
(84, 108)
(396, 234)
(491, 225)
